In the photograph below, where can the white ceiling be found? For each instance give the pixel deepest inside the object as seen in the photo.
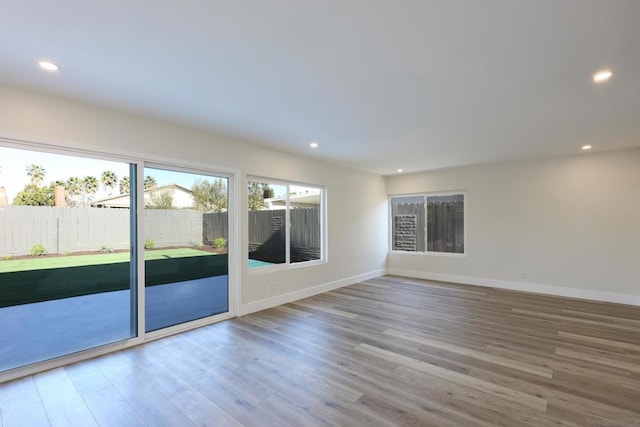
(380, 84)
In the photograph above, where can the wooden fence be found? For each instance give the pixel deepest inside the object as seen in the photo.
(445, 226)
(63, 230)
(173, 227)
(66, 230)
(267, 234)
(215, 225)
(305, 234)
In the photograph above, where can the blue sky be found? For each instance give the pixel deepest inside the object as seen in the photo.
(14, 162)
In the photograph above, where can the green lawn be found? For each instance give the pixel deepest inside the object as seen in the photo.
(39, 263)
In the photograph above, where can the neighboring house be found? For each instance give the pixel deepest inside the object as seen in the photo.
(305, 200)
(182, 198)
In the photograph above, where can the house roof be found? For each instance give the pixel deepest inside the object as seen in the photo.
(122, 200)
(379, 85)
(306, 199)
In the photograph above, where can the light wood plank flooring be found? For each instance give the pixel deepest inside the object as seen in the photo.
(386, 352)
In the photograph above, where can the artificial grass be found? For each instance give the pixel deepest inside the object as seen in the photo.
(42, 262)
(35, 285)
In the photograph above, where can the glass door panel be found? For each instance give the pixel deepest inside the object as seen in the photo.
(186, 233)
(67, 279)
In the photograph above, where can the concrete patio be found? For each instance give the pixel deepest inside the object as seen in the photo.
(40, 331)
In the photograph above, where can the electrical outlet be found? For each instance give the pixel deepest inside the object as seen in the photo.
(271, 287)
(523, 275)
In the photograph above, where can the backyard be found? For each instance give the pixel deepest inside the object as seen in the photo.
(34, 279)
(26, 263)
(87, 299)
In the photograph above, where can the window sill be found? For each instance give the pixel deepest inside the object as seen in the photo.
(256, 271)
(444, 254)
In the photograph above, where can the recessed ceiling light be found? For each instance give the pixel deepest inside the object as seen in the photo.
(399, 170)
(49, 66)
(313, 145)
(602, 76)
(586, 147)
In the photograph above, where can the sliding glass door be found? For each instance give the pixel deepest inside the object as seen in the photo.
(70, 247)
(185, 246)
(67, 276)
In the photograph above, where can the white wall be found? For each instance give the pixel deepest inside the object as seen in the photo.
(357, 213)
(572, 224)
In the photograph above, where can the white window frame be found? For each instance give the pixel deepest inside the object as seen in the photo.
(287, 265)
(426, 251)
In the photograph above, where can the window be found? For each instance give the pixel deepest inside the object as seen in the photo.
(428, 223)
(273, 206)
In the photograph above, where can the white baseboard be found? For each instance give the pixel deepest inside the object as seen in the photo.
(266, 303)
(519, 286)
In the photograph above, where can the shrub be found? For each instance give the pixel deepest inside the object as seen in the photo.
(106, 249)
(8, 257)
(38, 250)
(220, 242)
(148, 244)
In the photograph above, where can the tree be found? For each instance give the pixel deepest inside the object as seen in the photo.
(36, 173)
(150, 183)
(73, 188)
(32, 195)
(209, 196)
(256, 196)
(162, 199)
(90, 186)
(267, 192)
(125, 185)
(109, 181)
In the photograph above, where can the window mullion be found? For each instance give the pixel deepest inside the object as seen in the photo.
(139, 250)
(287, 229)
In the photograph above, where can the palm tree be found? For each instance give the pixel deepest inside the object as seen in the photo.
(124, 185)
(90, 186)
(109, 181)
(74, 189)
(36, 173)
(149, 182)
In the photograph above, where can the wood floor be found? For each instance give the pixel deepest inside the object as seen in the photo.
(386, 352)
